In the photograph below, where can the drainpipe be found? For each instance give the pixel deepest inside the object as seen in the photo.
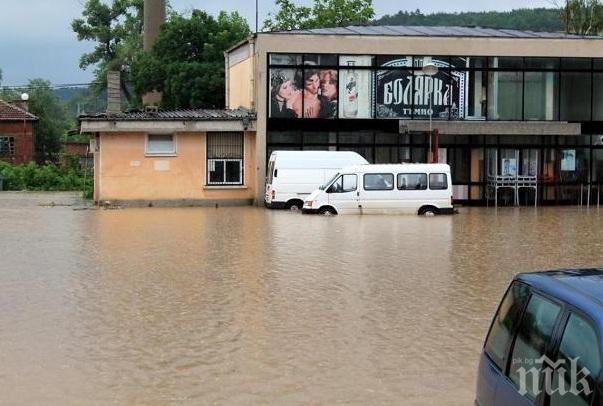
(254, 61)
(227, 80)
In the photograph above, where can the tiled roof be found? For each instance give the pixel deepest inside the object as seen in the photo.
(174, 115)
(10, 112)
(428, 31)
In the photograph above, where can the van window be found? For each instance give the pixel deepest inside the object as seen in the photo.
(581, 346)
(438, 181)
(344, 184)
(533, 338)
(378, 181)
(331, 179)
(270, 172)
(412, 181)
(505, 323)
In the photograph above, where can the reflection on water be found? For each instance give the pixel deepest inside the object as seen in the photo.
(245, 305)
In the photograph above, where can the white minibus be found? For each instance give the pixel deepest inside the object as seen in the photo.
(293, 175)
(424, 189)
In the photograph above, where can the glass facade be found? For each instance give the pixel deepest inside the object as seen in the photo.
(354, 103)
(463, 88)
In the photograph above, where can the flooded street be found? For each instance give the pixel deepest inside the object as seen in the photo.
(250, 306)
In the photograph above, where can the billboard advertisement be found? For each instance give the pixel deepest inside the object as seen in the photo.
(402, 94)
(307, 93)
(355, 87)
(285, 93)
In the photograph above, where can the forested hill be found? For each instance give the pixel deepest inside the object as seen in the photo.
(534, 19)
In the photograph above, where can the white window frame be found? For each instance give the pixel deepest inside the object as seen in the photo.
(160, 153)
(211, 161)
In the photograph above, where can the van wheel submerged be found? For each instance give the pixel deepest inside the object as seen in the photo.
(294, 205)
(327, 211)
(428, 211)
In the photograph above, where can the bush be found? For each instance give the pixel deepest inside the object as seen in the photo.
(47, 178)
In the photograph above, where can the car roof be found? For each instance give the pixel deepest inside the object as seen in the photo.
(581, 288)
(389, 168)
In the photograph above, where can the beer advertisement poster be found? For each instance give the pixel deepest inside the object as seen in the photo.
(355, 87)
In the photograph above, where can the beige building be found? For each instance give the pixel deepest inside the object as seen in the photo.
(502, 107)
(506, 103)
(196, 157)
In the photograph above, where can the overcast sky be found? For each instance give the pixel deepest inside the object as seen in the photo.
(36, 40)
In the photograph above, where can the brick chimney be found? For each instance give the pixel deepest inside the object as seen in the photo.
(154, 16)
(113, 91)
(22, 104)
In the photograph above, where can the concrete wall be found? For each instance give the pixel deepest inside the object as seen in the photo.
(24, 141)
(239, 83)
(240, 76)
(385, 45)
(123, 173)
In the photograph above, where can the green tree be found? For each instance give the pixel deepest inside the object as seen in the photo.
(187, 60)
(53, 122)
(583, 17)
(116, 28)
(324, 13)
(535, 19)
(288, 17)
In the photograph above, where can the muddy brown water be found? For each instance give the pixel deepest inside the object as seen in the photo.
(250, 306)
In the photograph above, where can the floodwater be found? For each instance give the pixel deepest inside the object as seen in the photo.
(249, 306)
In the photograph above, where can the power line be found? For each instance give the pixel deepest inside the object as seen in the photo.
(52, 86)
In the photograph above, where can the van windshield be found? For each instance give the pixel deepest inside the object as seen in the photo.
(327, 183)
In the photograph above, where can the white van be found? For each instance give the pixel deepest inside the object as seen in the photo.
(371, 189)
(293, 175)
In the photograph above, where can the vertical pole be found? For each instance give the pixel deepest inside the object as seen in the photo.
(430, 152)
(256, 16)
(436, 145)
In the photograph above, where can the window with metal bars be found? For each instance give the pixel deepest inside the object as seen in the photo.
(7, 146)
(225, 158)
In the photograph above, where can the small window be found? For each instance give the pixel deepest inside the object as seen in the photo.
(161, 144)
(533, 339)
(285, 59)
(505, 322)
(438, 181)
(580, 347)
(412, 181)
(225, 158)
(378, 181)
(7, 146)
(225, 172)
(320, 59)
(344, 184)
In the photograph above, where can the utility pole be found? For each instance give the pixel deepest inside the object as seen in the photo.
(256, 16)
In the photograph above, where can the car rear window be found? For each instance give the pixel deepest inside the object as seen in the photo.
(533, 338)
(505, 322)
(579, 346)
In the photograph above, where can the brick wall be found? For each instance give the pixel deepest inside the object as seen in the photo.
(24, 141)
